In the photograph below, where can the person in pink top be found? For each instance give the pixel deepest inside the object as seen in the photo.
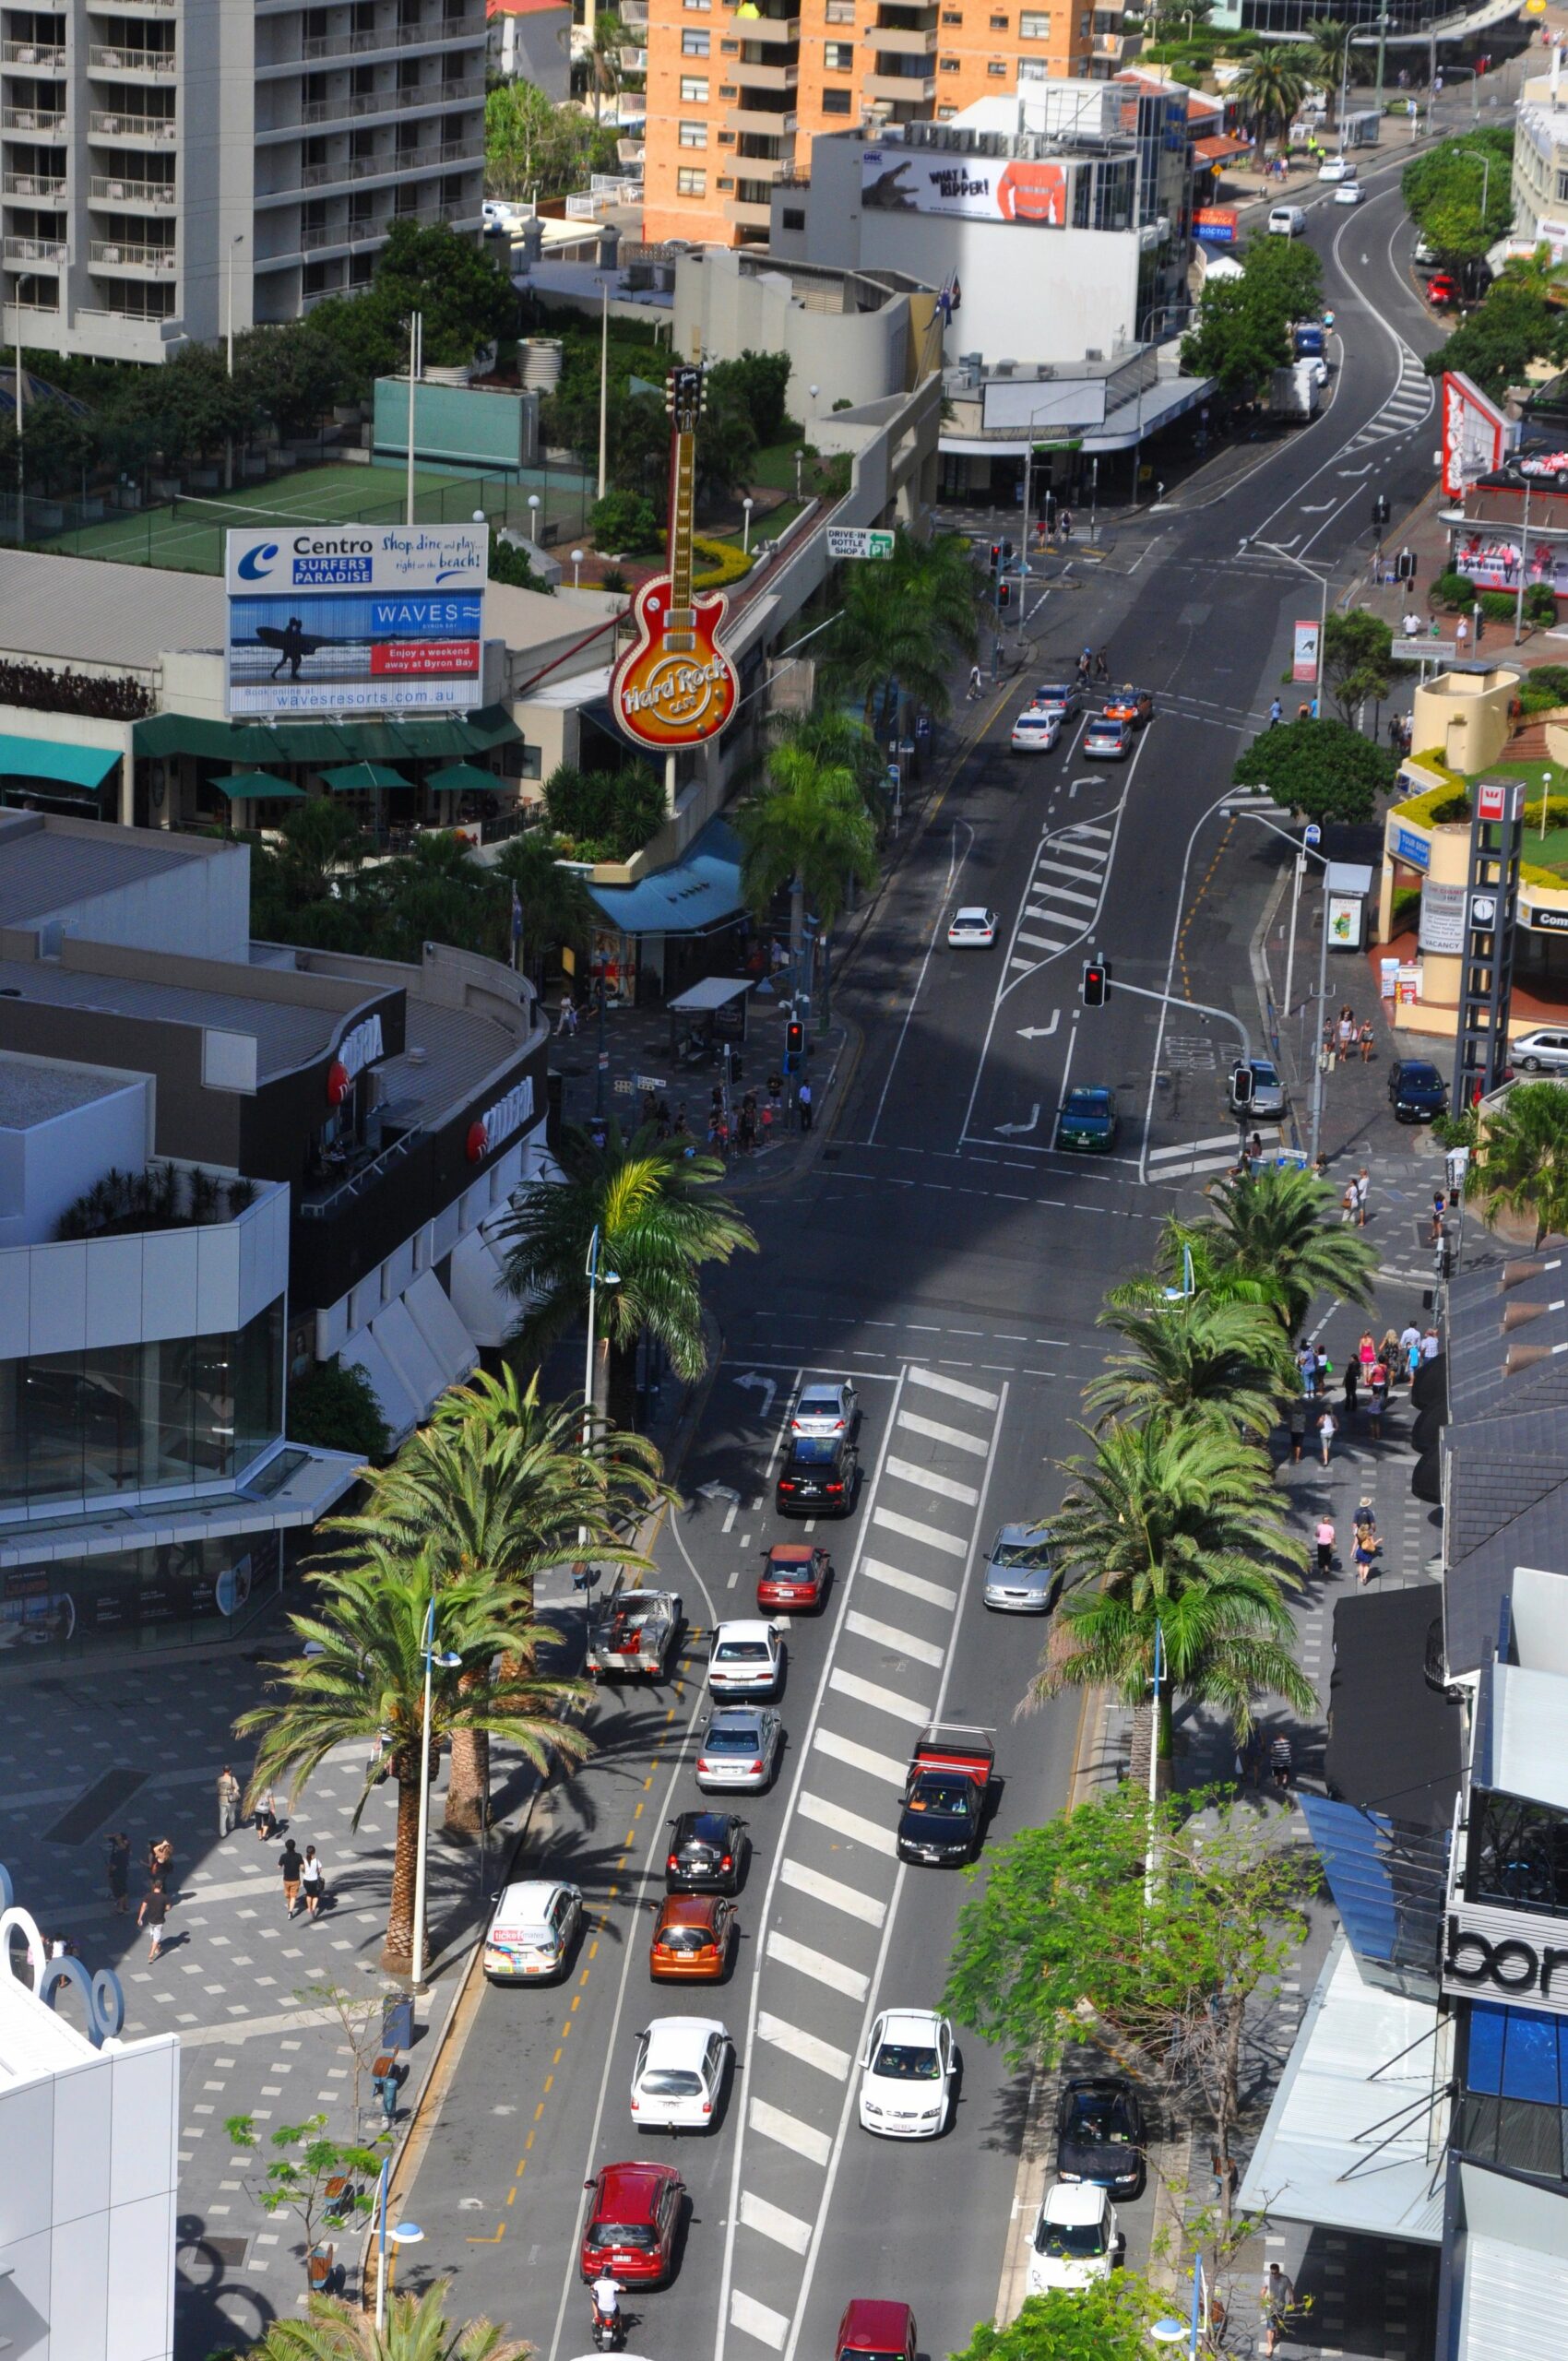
(1323, 1536)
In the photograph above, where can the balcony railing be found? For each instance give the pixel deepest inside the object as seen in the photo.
(367, 232)
(394, 37)
(364, 103)
(37, 127)
(131, 61)
(152, 195)
(133, 126)
(113, 254)
(49, 250)
(338, 1200)
(44, 57)
(391, 160)
(34, 185)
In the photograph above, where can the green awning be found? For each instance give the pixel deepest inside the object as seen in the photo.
(362, 778)
(313, 744)
(463, 779)
(43, 758)
(254, 787)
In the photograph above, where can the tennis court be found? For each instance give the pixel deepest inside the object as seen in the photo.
(187, 534)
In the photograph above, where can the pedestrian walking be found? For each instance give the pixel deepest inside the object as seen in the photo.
(1296, 1420)
(1326, 1058)
(1065, 521)
(312, 1881)
(1366, 1352)
(160, 1862)
(290, 1863)
(1102, 665)
(567, 1020)
(228, 1801)
(1326, 1431)
(1431, 1344)
(1379, 1398)
(1409, 1345)
(1439, 1208)
(1347, 1204)
(1347, 1030)
(1412, 1362)
(1323, 1370)
(1305, 1360)
(153, 1913)
(1362, 1186)
(974, 682)
(267, 1817)
(1323, 1539)
(1461, 635)
(1351, 1384)
(1274, 2300)
(1280, 1763)
(118, 1867)
(1365, 1042)
(804, 1102)
(1388, 1351)
(1276, 714)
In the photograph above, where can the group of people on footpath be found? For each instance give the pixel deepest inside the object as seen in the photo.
(1377, 1366)
(159, 1868)
(1343, 1038)
(302, 1873)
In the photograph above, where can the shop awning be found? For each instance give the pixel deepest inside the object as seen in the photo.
(80, 766)
(463, 779)
(693, 896)
(282, 744)
(254, 787)
(1220, 148)
(362, 778)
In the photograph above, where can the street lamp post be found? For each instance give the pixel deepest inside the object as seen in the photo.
(596, 1279)
(237, 240)
(416, 363)
(1384, 22)
(448, 1662)
(576, 569)
(533, 516)
(407, 2234)
(1308, 853)
(604, 387)
(746, 526)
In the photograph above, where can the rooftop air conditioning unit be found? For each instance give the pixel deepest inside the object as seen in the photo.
(1094, 353)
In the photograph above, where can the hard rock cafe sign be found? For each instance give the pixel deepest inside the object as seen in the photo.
(675, 686)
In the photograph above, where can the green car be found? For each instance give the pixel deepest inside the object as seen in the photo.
(1088, 1121)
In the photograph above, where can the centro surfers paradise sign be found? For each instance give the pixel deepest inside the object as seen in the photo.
(675, 686)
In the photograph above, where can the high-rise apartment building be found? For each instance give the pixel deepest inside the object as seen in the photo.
(735, 93)
(169, 166)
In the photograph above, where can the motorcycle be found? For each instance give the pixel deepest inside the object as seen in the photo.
(609, 2327)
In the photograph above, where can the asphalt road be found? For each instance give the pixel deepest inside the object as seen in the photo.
(949, 1258)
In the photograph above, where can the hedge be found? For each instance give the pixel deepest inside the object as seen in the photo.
(726, 564)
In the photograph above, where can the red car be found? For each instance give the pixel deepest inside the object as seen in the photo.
(794, 1573)
(872, 2330)
(1443, 292)
(632, 2224)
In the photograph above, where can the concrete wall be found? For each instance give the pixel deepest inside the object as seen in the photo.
(535, 44)
(1463, 716)
(46, 1166)
(198, 908)
(857, 356)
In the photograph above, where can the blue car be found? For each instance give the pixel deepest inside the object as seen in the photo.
(1416, 1090)
(1088, 1122)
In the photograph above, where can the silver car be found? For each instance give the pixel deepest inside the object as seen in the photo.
(1018, 1571)
(740, 1749)
(1268, 1099)
(1542, 1052)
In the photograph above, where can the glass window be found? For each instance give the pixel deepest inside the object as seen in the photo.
(166, 1408)
(793, 218)
(211, 1374)
(13, 1425)
(53, 1398)
(836, 102)
(838, 12)
(948, 64)
(1563, 189)
(258, 1390)
(1034, 26)
(840, 57)
(199, 1590)
(694, 134)
(1033, 69)
(111, 1423)
(694, 90)
(689, 183)
(999, 24)
(997, 67)
(694, 41)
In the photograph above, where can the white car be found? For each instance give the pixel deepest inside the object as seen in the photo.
(679, 2074)
(1349, 192)
(501, 221)
(1075, 2240)
(740, 1749)
(1036, 730)
(747, 1660)
(1336, 168)
(826, 1407)
(906, 2074)
(531, 1934)
(973, 929)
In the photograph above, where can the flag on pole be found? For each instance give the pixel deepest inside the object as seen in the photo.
(516, 922)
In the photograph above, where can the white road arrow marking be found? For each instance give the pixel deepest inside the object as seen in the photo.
(1040, 1032)
(1321, 510)
(721, 1491)
(1010, 1130)
(765, 1385)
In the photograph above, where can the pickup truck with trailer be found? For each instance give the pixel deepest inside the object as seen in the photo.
(633, 1631)
(943, 1819)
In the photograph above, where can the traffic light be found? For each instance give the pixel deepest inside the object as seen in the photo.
(1003, 596)
(1096, 983)
(794, 1046)
(1380, 509)
(1241, 1080)
(1006, 553)
(997, 557)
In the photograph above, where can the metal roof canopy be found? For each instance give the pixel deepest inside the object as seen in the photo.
(714, 992)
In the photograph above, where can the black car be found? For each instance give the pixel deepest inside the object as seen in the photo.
(1417, 1091)
(706, 1853)
(1099, 2133)
(818, 1478)
(943, 1820)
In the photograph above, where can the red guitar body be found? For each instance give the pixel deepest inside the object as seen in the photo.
(675, 685)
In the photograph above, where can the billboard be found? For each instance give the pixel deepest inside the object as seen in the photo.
(1475, 433)
(1493, 563)
(355, 618)
(972, 188)
(1216, 225)
(1305, 662)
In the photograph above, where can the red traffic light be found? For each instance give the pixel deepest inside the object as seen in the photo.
(995, 555)
(1096, 983)
(794, 1037)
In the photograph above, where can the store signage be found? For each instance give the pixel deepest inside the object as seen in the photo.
(1543, 921)
(1475, 433)
(1506, 1953)
(675, 685)
(976, 188)
(1500, 799)
(1216, 225)
(1305, 665)
(852, 540)
(1443, 919)
(1413, 850)
(498, 1123)
(357, 1049)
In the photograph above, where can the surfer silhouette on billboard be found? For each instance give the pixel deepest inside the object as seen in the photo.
(294, 643)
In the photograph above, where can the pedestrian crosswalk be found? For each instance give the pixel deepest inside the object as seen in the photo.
(830, 1903)
(1407, 405)
(1065, 891)
(1189, 1159)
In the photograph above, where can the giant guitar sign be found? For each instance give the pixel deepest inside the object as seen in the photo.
(675, 686)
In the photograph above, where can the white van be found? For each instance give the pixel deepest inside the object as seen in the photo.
(1286, 221)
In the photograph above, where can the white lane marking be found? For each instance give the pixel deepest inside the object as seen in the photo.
(860, 1758)
(1040, 890)
(946, 1487)
(1195, 1148)
(876, 1570)
(913, 1530)
(795, 2042)
(1039, 943)
(978, 1395)
(934, 1431)
(833, 1892)
(758, 2320)
(788, 2130)
(1027, 964)
(772, 2221)
(1088, 828)
(889, 1635)
(880, 1700)
(844, 1823)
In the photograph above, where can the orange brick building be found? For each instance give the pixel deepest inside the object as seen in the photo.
(735, 92)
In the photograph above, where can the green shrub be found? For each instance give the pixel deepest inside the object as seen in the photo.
(1448, 808)
(509, 563)
(1540, 604)
(1545, 687)
(609, 815)
(624, 522)
(1406, 909)
(1455, 591)
(1499, 606)
(336, 1410)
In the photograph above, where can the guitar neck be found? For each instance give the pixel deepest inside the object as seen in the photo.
(680, 622)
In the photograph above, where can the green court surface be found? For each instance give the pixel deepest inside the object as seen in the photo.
(188, 535)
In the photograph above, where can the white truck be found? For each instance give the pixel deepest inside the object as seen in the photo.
(1294, 393)
(633, 1631)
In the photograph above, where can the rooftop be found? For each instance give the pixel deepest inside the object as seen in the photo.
(1394, 1742)
(36, 2042)
(1524, 1755)
(287, 1035)
(83, 610)
(33, 1092)
(48, 864)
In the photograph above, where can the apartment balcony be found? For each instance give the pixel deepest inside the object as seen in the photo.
(353, 106)
(147, 196)
(747, 216)
(39, 186)
(897, 89)
(785, 26)
(762, 168)
(142, 261)
(432, 35)
(132, 62)
(758, 119)
(35, 125)
(761, 78)
(1110, 48)
(52, 251)
(899, 41)
(392, 161)
(38, 57)
(134, 130)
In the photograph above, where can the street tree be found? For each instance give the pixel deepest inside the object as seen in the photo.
(808, 829)
(1281, 1230)
(417, 2329)
(1522, 1159)
(1062, 1937)
(1358, 660)
(1443, 190)
(1514, 326)
(463, 296)
(1320, 770)
(660, 1217)
(361, 1677)
(499, 1488)
(304, 2164)
(1108, 2320)
(1331, 58)
(903, 622)
(534, 148)
(1192, 1359)
(1270, 90)
(1244, 329)
(291, 374)
(552, 902)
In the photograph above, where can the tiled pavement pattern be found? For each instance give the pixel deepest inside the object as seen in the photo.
(230, 1978)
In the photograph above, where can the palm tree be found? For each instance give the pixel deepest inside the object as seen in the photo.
(502, 1488)
(903, 622)
(1522, 1160)
(1275, 1231)
(552, 902)
(1228, 1362)
(1271, 89)
(417, 2329)
(658, 1218)
(1172, 1522)
(362, 1678)
(809, 829)
(1332, 57)
(609, 38)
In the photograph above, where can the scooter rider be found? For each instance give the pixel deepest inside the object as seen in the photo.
(606, 2295)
